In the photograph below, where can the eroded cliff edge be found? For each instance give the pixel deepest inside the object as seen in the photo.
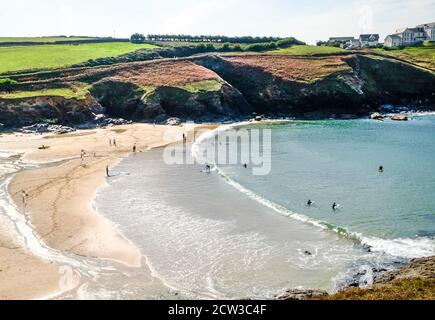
(218, 87)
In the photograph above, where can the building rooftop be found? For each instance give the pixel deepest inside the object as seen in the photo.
(369, 37)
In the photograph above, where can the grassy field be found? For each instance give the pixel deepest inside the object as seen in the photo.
(18, 58)
(78, 91)
(307, 50)
(40, 39)
(423, 56)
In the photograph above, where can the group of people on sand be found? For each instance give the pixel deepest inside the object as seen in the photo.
(335, 205)
(112, 142)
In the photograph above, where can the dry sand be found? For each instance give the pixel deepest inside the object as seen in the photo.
(59, 202)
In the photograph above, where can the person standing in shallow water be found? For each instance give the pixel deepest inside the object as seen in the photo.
(134, 148)
(107, 171)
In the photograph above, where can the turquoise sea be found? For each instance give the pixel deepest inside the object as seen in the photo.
(232, 234)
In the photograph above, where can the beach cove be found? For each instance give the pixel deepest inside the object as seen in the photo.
(157, 231)
(58, 217)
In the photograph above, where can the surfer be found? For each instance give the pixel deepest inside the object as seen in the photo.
(309, 203)
(334, 206)
(381, 169)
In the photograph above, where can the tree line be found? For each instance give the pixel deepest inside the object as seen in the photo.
(139, 38)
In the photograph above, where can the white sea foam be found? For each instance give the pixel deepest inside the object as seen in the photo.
(400, 247)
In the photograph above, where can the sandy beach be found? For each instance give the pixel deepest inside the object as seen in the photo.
(59, 200)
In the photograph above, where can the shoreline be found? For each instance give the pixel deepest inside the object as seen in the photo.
(84, 232)
(68, 171)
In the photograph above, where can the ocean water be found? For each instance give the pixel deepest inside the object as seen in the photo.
(337, 161)
(231, 234)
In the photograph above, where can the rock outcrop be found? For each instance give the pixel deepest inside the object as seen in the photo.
(28, 111)
(417, 268)
(223, 88)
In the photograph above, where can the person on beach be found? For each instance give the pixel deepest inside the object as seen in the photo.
(134, 148)
(184, 138)
(82, 154)
(114, 142)
(24, 196)
(110, 142)
(381, 169)
(107, 171)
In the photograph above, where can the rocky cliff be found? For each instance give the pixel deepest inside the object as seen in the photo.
(218, 87)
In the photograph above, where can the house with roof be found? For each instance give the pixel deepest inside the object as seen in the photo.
(411, 36)
(369, 40)
(341, 39)
(393, 40)
(429, 29)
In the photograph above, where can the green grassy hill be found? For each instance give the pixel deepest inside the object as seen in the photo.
(42, 39)
(18, 58)
(307, 50)
(423, 56)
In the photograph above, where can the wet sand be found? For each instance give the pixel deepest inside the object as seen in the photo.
(59, 201)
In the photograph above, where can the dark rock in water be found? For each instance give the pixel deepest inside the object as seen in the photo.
(367, 247)
(377, 116)
(301, 294)
(308, 253)
(399, 117)
(353, 285)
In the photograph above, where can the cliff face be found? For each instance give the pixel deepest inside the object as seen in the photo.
(361, 87)
(27, 111)
(212, 87)
(129, 101)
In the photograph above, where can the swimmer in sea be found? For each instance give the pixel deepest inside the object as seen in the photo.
(309, 203)
(334, 206)
(381, 169)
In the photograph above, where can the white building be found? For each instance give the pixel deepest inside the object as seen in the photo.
(369, 40)
(410, 36)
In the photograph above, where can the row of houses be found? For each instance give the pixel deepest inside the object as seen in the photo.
(364, 41)
(410, 36)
